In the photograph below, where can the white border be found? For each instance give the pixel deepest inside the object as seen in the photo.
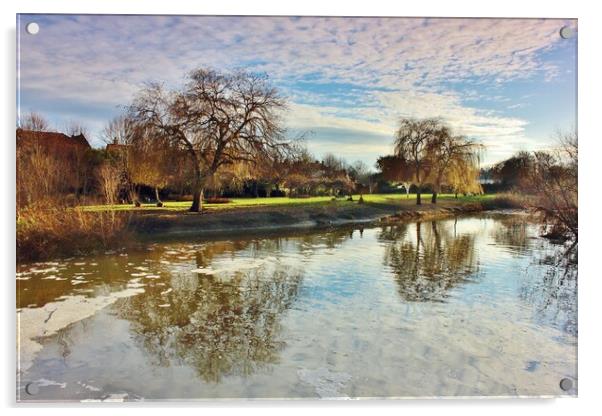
(590, 149)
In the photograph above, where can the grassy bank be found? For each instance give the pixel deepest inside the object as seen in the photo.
(53, 232)
(285, 202)
(272, 214)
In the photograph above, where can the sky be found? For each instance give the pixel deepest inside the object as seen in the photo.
(508, 83)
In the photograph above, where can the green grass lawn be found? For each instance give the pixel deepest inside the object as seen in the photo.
(385, 199)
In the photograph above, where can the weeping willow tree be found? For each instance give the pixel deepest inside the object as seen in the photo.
(414, 142)
(463, 176)
(429, 153)
(454, 161)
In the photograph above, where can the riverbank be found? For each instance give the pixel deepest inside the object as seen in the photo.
(319, 215)
(106, 227)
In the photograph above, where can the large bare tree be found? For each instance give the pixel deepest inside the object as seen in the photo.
(218, 118)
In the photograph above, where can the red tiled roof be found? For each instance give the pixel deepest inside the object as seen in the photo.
(53, 139)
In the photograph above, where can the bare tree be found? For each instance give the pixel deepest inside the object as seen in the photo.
(362, 175)
(39, 178)
(75, 128)
(218, 118)
(553, 181)
(34, 121)
(120, 130)
(152, 160)
(413, 141)
(109, 180)
(120, 134)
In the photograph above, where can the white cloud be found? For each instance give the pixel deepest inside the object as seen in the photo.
(393, 66)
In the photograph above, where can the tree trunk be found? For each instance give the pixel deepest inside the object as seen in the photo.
(434, 197)
(135, 195)
(159, 203)
(418, 195)
(197, 200)
(197, 196)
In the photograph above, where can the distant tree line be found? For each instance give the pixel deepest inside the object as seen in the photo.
(550, 178)
(221, 135)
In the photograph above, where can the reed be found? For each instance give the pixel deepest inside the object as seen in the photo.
(49, 229)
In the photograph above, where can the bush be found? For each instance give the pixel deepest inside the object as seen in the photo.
(506, 201)
(277, 193)
(217, 200)
(47, 230)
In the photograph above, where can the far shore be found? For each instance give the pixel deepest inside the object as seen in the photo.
(279, 217)
(239, 218)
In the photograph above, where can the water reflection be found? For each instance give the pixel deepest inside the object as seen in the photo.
(550, 285)
(514, 232)
(549, 282)
(218, 326)
(429, 263)
(242, 317)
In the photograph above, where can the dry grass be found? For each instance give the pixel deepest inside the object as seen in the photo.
(507, 201)
(48, 230)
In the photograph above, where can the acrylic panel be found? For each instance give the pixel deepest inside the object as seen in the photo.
(228, 207)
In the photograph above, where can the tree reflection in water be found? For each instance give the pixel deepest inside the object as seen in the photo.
(553, 291)
(514, 232)
(430, 263)
(220, 325)
(550, 282)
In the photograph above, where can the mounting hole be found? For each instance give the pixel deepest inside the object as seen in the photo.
(32, 389)
(566, 32)
(566, 384)
(32, 28)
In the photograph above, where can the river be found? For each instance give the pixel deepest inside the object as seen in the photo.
(469, 306)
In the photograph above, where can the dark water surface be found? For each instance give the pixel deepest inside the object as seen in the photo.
(468, 306)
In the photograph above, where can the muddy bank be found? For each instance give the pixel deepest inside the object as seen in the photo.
(269, 219)
(139, 226)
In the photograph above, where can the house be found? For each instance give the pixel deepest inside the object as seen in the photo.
(53, 142)
(72, 153)
(116, 149)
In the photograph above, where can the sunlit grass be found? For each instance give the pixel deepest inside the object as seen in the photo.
(240, 203)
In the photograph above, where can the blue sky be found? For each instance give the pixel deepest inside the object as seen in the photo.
(509, 83)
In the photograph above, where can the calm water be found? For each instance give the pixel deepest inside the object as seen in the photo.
(469, 306)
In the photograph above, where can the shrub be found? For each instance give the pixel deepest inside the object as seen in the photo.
(277, 193)
(506, 201)
(47, 230)
(217, 200)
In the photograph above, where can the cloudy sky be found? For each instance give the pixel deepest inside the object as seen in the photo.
(509, 83)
